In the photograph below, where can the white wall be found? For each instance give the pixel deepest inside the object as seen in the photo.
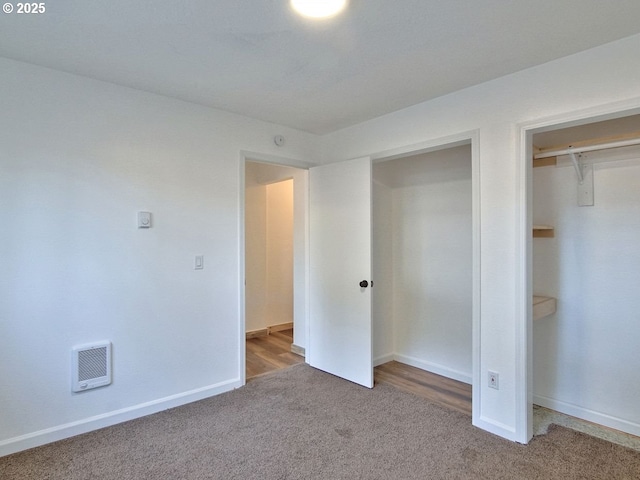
(383, 274)
(78, 159)
(269, 251)
(280, 252)
(494, 110)
(300, 243)
(261, 175)
(586, 355)
(255, 251)
(426, 231)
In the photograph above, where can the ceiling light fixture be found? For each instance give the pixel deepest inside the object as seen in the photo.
(318, 8)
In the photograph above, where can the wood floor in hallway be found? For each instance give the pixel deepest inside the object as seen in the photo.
(270, 353)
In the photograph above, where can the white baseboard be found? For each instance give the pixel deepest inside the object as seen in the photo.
(279, 327)
(497, 428)
(261, 332)
(35, 439)
(588, 415)
(297, 350)
(434, 368)
(383, 359)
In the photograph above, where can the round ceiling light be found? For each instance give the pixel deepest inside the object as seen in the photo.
(318, 8)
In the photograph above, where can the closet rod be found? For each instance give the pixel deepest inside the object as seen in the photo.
(590, 148)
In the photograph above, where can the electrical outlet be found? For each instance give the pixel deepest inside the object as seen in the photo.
(494, 380)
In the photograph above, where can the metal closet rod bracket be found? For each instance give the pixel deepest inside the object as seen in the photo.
(576, 164)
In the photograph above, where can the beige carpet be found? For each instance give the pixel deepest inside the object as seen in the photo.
(300, 423)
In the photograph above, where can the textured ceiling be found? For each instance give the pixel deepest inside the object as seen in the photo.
(257, 58)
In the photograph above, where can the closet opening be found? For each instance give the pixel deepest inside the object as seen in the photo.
(423, 269)
(585, 265)
(275, 232)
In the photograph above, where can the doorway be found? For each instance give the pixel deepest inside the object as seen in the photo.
(582, 178)
(274, 259)
(423, 265)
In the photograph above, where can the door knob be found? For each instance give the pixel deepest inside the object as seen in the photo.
(364, 284)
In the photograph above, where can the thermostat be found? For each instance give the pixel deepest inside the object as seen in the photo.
(144, 219)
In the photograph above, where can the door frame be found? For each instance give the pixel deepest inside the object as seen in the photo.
(464, 138)
(249, 156)
(524, 253)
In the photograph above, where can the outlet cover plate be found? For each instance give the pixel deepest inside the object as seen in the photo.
(494, 380)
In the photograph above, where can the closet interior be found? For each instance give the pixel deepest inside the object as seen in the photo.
(422, 261)
(586, 271)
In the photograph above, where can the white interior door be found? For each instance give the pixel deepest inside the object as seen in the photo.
(340, 327)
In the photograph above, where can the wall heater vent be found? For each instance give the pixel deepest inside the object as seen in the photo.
(91, 366)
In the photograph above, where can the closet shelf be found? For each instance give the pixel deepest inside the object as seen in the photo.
(543, 231)
(543, 306)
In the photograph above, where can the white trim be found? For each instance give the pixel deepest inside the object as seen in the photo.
(280, 327)
(497, 428)
(48, 435)
(576, 118)
(307, 270)
(476, 345)
(524, 221)
(589, 415)
(298, 350)
(434, 368)
(434, 145)
(250, 156)
(523, 325)
(389, 357)
(242, 281)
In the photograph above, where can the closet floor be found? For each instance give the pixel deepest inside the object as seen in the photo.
(543, 418)
(435, 388)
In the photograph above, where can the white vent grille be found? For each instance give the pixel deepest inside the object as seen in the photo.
(91, 366)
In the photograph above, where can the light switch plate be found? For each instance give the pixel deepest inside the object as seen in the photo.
(199, 264)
